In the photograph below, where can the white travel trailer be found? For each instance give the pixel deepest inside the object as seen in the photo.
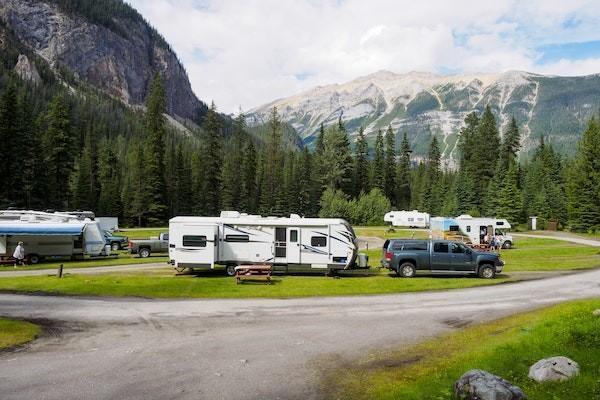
(48, 235)
(291, 244)
(476, 229)
(412, 219)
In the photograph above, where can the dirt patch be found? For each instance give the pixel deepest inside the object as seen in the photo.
(457, 322)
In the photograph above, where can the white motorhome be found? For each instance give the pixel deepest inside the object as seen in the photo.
(412, 219)
(49, 235)
(291, 244)
(476, 229)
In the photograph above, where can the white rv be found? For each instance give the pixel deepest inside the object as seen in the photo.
(49, 235)
(476, 229)
(412, 219)
(291, 244)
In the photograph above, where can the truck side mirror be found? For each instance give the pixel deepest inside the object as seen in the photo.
(469, 251)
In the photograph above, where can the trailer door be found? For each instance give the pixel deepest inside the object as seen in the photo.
(293, 246)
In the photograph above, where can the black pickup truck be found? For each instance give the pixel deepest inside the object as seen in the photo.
(407, 257)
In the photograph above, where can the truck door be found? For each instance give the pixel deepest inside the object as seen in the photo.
(293, 246)
(461, 258)
(440, 257)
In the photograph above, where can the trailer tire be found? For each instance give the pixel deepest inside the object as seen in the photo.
(507, 244)
(230, 270)
(144, 252)
(406, 270)
(114, 246)
(34, 259)
(487, 271)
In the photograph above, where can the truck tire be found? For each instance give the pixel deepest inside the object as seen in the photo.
(114, 246)
(230, 270)
(34, 259)
(507, 244)
(487, 271)
(406, 270)
(144, 252)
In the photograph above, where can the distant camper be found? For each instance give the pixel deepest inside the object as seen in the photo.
(476, 230)
(411, 219)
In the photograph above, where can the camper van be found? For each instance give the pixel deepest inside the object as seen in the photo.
(412, 219)
(471, 229)
(291, 244)
(48, 235)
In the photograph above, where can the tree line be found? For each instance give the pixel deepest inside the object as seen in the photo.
(65, 153)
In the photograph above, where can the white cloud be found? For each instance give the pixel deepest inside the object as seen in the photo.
(246, 53)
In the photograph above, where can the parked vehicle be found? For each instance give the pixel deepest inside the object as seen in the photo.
(292, 244)
(411, 219)
(407, 257)
(108, 223)
(146, 247)
(49, 235)
(471, 230)
(115, 242)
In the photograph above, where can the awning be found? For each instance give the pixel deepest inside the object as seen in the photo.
(36, 229)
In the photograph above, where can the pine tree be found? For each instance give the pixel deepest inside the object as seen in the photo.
(347, 184)
(305, 183)
(231, 184)
(431, 197)
(361, 164)
(403, 181)
(272, 179)
(390, 166)
(213, 159)
(511, 145)
(83, 178)
(509, 196)
(583, 184)
(183, 190)
(9, 132)
(154, 171)
(248, 195)
(336, 159)
(378, 165)
(58, 160)
(109, 201)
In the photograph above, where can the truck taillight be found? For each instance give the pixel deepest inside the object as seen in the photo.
(389, 255)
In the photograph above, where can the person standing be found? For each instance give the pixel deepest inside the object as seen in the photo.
(19, 254)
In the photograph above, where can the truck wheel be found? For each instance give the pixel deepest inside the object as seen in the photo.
(230, 270)
(34, 258)
(144, 253)
(507, 244)
(115, 246)
(406, 270)
(487, 271)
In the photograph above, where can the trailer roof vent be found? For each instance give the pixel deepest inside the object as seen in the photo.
(230, 214)
(294, 216)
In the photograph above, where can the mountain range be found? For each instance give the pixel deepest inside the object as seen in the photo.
(424, 104)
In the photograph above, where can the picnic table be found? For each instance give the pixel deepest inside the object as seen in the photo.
(253, 272)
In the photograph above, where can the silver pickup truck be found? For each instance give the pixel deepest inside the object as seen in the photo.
(145, 247)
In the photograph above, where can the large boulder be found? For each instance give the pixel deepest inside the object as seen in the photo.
(477, 384)
(554, 369)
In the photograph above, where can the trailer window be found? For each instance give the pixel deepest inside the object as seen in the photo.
(293, 236)
(468, 228)
(411, 220)
(318, 241)
(453, 228)
(194, 241)
(500, 223)
(237, 238)
(440, 247)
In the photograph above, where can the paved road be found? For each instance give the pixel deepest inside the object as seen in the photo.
(238, 349)
(566, 237)
(8, 273)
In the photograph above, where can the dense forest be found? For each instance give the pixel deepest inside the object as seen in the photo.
(66, 149)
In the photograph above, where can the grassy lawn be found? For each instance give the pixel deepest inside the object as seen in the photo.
(141, 233)
(14, 333)
(384, 233)
(507, 347)
(215, 285)
(531, 254)
(123, 259)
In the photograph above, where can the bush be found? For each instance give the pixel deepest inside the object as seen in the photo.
(368, 209)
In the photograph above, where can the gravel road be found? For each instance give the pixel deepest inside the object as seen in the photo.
(237, 349)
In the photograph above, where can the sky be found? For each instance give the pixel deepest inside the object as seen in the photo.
(245, 53)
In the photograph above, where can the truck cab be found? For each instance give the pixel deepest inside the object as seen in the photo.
(407, 257)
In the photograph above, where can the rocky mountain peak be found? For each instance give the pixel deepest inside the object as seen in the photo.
(27, 70)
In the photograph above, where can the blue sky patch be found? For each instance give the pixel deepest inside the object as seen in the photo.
(571, 51)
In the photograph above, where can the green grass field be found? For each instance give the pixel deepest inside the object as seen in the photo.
(506, 347)
(141, 233)
(14, 333)
(385, 233)
(122, 259)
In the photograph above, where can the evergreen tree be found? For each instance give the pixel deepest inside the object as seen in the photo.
(248, 192)
(213, 159)
(509, 196)
(390, 166)
(378, 165)
(9, 132)
(109, 202)
(361, 164)
(336, 159)
(305, 183)
(58, 142)
(83, 179)
(155, 191)
(431, 197)
(511, 145)
(272, 178)
(583, 184)
(183, 191)
(403, 181)
(231, 184)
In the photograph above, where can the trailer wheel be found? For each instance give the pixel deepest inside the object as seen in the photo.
(34, 258)
(487, 271)
(115, 246)
(144, 252)
(406, 270)
(230, 270)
